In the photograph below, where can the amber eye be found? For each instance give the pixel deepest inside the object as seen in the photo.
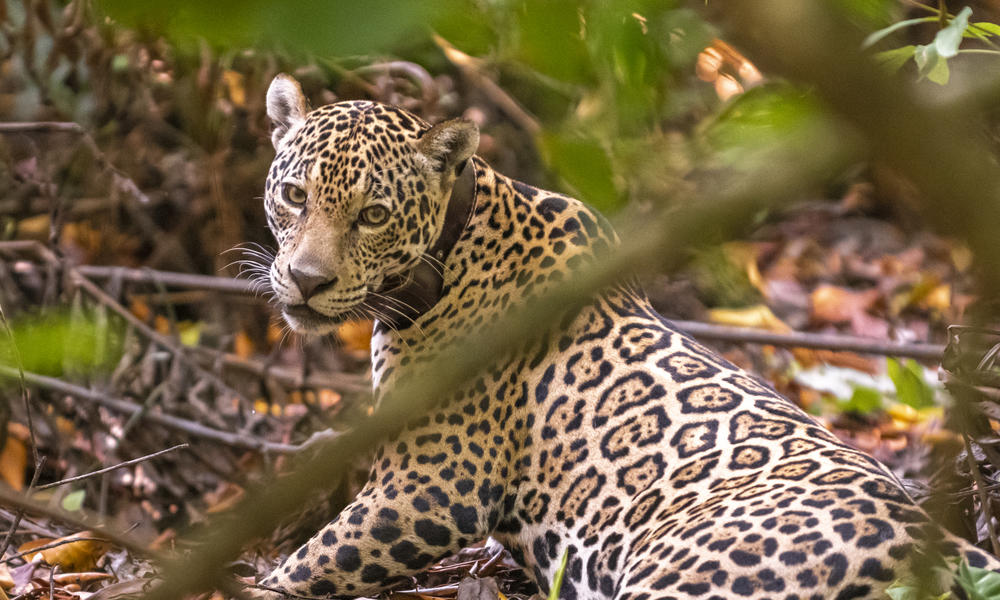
(374, 215)
(293, 194)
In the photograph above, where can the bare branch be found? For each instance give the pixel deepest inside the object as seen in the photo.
(819, 341)
(170, 421)
(127, 463)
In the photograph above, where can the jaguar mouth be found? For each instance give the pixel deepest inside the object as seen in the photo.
(305, 319)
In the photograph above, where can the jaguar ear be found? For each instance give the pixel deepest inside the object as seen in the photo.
(286, 106)
(449, 144)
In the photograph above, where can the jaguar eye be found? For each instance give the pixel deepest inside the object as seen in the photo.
(374, 215)
(293, 194)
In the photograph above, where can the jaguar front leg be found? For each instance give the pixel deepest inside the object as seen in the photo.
(401, 523)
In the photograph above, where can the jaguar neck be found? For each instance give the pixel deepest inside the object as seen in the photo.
(404, 298)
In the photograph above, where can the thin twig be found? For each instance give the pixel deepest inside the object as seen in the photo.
(49, 546)
(467, 66)
(127, 463)
(41, 127)
(175, 348)
(170, 421)
(711, 331)
(169, 279)
(451, 587)
(120, 180)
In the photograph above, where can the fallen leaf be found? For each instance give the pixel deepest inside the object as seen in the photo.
(356, 335)
(758, 317)
(140, 309)
(13, 461)
(745, 256)
(472, 588)
(6, 579)
(832, 304)
(328, 398)
(134, 588)
(79, 553)
(224, 498)
(235, 87)
(243, 345)
(80, 578)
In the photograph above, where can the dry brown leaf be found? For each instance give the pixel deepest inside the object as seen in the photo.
(833, 304)
(224, 498)
(13, 460)
(328, 398)
(161, 324)
(6, 578)
(758, 317)
(243, 345)
(235, 87)
(133, 588)
(275, 331)
(744, 256)
(79, 553)
(140, 309)
(82, 578)
(356, 335)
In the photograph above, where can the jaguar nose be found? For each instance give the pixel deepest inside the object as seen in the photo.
(308, 283)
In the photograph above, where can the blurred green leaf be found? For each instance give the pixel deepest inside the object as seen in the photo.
(986, 28)
(979, 584)
(313, 26)
(74, 500)
(896, 58)
(558, 578)
(863, 400)
(584, 165)
(931, 65)
(59, 343)
(908, 379)
(881, 34)
(868, 13)
(549, 40)
(906, 590)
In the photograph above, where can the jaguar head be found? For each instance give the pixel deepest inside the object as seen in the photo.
(355, 196)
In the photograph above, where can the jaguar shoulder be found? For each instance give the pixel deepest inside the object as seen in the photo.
(661, 469)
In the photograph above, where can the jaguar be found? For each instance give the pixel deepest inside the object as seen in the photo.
(657, 468)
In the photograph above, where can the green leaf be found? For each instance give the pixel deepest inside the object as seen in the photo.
(908, 379)
(881, 34)
(985, 28)
(948, 39)
(74, 500)
(864, 400)
(558, 578)
(60, 342)
(896, 58)
(584, 165)
(906, 589)
(931, 64)
(979, 584)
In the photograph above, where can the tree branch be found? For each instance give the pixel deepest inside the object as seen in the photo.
(169, 421)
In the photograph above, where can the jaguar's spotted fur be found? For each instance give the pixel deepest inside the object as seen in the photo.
(662, 469)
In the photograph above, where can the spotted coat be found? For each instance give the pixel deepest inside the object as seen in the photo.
(660, 468)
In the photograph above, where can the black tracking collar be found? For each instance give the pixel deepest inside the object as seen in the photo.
(403, 298)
